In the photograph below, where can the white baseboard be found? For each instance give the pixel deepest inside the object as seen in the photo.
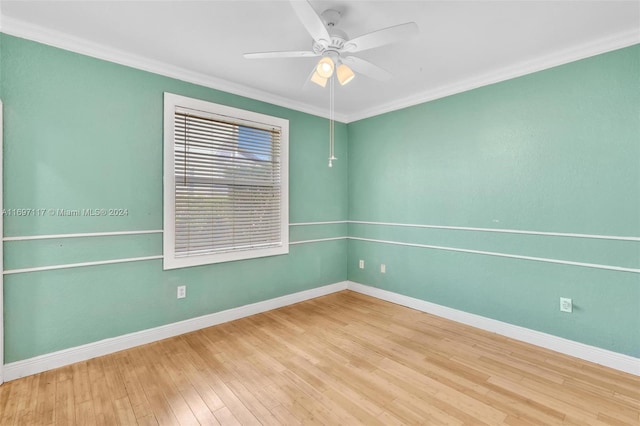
(49, 361)
(38, 364)
(594, 354)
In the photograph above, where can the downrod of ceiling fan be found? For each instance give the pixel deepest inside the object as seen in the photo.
(331, 17)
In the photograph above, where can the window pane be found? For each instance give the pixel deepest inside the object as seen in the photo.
(227, 185)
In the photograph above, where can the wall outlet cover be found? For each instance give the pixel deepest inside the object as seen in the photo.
(182, 291)
(566, 304)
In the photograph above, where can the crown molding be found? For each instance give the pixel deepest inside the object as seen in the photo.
(22, 29)
(583, 51)
(60, 40)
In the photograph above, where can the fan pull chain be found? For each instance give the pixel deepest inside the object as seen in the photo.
(331, 124)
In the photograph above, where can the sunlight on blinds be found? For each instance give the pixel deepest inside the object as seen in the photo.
(227, 184)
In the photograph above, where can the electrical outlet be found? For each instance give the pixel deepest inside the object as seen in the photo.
(361, 264)
(383, 268)
(566, 304)
(182, 291)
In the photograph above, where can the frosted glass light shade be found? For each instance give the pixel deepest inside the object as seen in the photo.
(325, 67)
(345, 74)
(319, 80)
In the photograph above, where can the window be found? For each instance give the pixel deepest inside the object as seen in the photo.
(225, 183)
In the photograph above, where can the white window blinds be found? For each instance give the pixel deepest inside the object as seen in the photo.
(229, 196)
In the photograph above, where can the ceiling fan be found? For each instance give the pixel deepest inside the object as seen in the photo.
(334, 46)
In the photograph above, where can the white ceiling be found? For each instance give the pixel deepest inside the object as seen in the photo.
(461, 44)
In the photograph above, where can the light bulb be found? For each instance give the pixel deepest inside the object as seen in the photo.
(325, 67)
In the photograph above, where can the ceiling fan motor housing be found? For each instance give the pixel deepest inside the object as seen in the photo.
(338, 37)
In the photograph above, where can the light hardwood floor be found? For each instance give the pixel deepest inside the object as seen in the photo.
(344, 359)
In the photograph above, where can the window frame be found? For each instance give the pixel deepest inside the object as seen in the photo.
(170, 260)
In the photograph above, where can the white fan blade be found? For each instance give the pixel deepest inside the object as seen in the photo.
(382, 37)
(311, 21)
(283, 54)
(367, 68)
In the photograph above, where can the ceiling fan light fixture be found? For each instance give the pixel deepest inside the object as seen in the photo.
(344, 74)
(318, 79)
(325, 67)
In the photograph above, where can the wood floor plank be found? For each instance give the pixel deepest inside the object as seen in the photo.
(113, 378)
(345, 358)
(161, 373)
(236, 406)
(573, 415)
(12, 395)
(225, 417)
(26, 411)
(179, 373)
(46, 398)
(284, 416)
(147, 421)
(65, 413)
(135, 392)
(200, 385)
(84, 413)
(124, 412)
(344, 416)
(81, 384)
(157, 401)
(101, 397)
(253, 404)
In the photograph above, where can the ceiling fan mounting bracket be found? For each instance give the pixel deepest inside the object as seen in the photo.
(331, 17)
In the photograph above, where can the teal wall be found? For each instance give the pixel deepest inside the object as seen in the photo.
(553, 151)
(85, 133)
